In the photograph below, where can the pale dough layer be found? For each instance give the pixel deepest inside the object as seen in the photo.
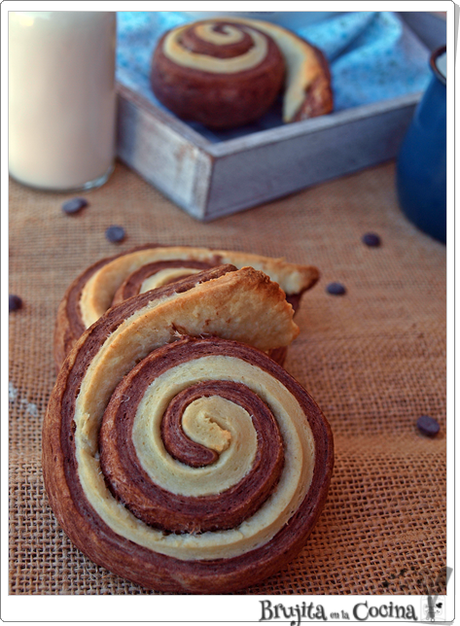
(98, 292)
(193, 60)
(261, 527)
(165, 276)
(204, 421)
(205, 31)
(233, 463)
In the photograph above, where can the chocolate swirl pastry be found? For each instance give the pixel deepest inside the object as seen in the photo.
(220, 74)
(111, 280)
(187, 463)
(226, 72)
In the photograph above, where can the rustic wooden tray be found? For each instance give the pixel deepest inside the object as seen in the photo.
(210, 180)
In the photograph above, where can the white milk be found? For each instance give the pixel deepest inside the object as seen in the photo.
(61, 98)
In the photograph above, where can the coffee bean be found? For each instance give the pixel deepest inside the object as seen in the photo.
(74, 206)
(336, 289)
(372, 240)
(115, 234)
(428, 425)
(15, 303)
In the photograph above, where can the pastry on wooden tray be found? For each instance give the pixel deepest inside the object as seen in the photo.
(176, 453)
(111, 280)
(225, 72)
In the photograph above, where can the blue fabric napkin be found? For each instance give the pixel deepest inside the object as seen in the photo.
(373, 56)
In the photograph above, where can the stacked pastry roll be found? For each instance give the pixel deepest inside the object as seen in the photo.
(177, 452)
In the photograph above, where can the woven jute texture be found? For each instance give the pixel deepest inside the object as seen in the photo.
(374, 360)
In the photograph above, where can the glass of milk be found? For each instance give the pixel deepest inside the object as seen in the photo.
(62, 102)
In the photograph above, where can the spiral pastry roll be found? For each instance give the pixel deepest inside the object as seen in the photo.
(221, 74)
(225, 72)
(181, 462)
(111, 280)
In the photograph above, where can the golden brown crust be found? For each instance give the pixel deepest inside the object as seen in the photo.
(298, 442)
(91, 284)
(318, 94)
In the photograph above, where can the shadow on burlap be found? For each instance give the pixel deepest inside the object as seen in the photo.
(374, 360)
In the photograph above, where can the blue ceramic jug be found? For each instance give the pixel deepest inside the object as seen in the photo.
(421, 163)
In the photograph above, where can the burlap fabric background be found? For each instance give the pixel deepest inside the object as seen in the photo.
(373, 359)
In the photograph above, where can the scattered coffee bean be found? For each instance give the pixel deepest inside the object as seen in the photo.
(428, 425)
(74, 206)
(336, 289)
(15, 303)
(371, 239)
(115, 234)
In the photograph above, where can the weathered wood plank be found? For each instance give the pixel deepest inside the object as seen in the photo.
(209, 180)
(252, 170)
(165, 153)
